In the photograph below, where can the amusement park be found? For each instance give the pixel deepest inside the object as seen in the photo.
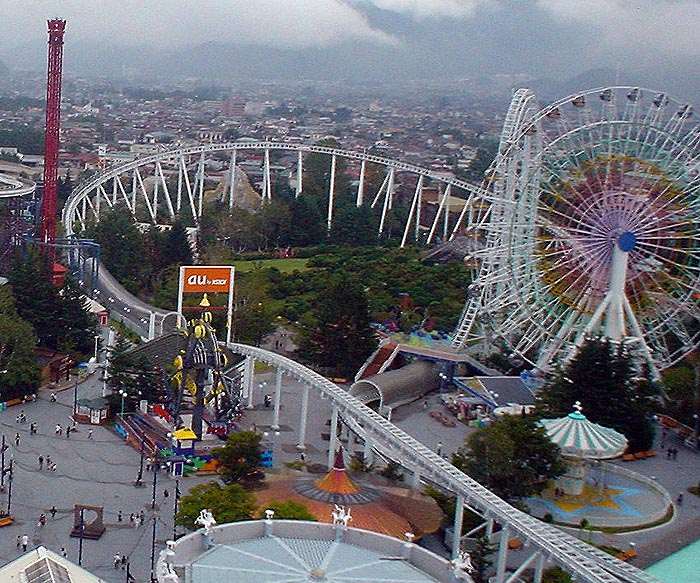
(254, 413)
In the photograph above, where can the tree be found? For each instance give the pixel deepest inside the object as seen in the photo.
(60, 316)
(480, 559)
(176, 246)
(290, 510)
(121, 248)
(239, 458)
(230, 503)
(342, 339)
(19, 373)
(513, 457)
(602, 377)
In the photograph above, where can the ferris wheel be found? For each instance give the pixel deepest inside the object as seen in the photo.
(592, 230)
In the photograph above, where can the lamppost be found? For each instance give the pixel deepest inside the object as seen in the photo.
(97, 341)
(123, 394)
(3, 449)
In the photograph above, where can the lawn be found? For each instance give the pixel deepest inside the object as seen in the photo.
(284, 265)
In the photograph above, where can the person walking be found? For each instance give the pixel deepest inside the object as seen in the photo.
(42, 520)
(64, 552)
(17, 436)
(25, 542)
(89, 433)
(68, 430)
(439, 448)
(117, 560)
(53, 511)
(59, 429)
(40, 459)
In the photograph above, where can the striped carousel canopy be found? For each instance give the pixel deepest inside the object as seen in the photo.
(576, 436)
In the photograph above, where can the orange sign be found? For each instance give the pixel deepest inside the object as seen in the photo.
(206, 279)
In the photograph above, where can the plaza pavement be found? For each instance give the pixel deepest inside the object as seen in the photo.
(101, 471)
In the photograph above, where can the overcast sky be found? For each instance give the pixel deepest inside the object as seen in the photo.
(450, 37)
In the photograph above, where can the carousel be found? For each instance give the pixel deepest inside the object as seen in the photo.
(581, 442)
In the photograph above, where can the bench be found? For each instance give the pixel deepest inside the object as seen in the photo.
(6, 521)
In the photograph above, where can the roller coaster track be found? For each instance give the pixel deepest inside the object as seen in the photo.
(582, 560)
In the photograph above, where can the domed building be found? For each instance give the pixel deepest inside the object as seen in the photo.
(267, 551)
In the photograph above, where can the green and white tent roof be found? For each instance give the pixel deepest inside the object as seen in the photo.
(576, 436)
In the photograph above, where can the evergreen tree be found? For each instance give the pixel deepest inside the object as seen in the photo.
(176, 247)
(60, 316)
(19, 373)
(122, 248)
(602, 377)
(341, 339)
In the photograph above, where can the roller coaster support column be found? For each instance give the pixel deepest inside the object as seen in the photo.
(151, 325)
(232, 178)
(333, 443)
(361, 185)
(300, 172)
(304, 415)
(331, 195)
(367, 453)
(502, 554)
(539, 568)
(278, 399)
(457, 530)
(248, 379)
(415, 479)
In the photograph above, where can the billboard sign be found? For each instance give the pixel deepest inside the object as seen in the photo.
(201, 279)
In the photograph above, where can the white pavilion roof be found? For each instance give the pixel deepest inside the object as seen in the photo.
(576, 436)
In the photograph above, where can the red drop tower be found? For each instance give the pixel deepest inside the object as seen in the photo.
(54, 74)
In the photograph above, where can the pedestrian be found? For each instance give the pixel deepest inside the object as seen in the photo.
(64, 552)
(17, 439)
(19, 540)
(125, 561)
(117, 560)
(89, 433)
(52, 466)
(439, 448)
(669, 453)
(142, 516)
(679, 500)
(302, 456)
(42, 520)
(68, 430)
(48, 461)
(25, 542)
(59, 429)
(425, 404)
(32, 429)
(53, 397)
(17, 419)
(166, 493)
(40, 459)
(53, 511)
(119, 516)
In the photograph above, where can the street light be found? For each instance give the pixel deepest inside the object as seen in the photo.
(123, 394)
(97, 341)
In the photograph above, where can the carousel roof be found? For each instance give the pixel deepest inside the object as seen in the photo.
(392, 511)
(576, 436)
